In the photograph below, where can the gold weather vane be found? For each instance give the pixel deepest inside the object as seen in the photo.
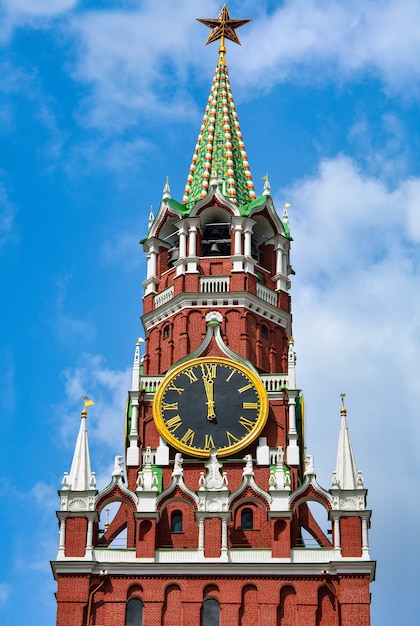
(86, 402)
(223, 27)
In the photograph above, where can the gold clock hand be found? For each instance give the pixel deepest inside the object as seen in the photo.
(209, 389)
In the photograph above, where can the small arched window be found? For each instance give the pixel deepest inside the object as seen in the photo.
(176, 522)
(247, 519)
(264, 331)
(210, 613)
(134, 612)
(166, 331)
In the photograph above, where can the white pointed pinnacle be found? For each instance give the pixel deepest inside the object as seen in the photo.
(346, 475)
(80, 476)
(285, 212)
(267, 187)
(151, 217)
(166, 190)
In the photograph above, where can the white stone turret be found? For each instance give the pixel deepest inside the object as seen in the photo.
(346, 475)
(81, 477)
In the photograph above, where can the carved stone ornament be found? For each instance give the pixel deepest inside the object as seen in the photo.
(214, 316)
(77, 504)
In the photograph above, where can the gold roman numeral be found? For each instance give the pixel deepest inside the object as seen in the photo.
(231, 438)
(172, 387)
(170, 406)
(245, 388)
(230, 376)
(246, 423)
(209, 370)
(250, 405)
(188, 438)
(174, 423)
(191, 375)
(208, 442)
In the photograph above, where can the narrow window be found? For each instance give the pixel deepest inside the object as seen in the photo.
(247, 519)
(134, 612)
(166, 331)
(176, 522)
(264, 331)
(210, 613)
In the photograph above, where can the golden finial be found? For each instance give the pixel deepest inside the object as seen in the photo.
(343, 409)
(106, 525)
(86, 402)
(223, 27)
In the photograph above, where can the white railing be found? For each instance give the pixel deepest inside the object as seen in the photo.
(273, 383)
(214, 284)
(150, 383)
(266, 294)
(109, 555)
(164, 296)
(303, 555)
(317, 555)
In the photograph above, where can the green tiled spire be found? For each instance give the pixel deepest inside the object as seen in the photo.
(220, 151)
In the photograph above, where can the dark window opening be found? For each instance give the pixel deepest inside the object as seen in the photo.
(166, 332)
(264, 331)
(247, 519)
(210, 613)
(134, 612)
(176, 522)
(216, 239)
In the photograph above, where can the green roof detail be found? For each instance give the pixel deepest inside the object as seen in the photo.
(247, 209)
(181, 208)
(220, 150)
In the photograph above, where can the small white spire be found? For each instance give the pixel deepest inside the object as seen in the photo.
(80, 477)
(346, 475)
(285, 212)
(151, 217)
(267, 187)
(135, 373)
(166, 190)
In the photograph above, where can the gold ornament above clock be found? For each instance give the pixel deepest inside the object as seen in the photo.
(210, 403)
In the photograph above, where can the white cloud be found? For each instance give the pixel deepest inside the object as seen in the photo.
(108, 389)
(137, 61)
(32, 13)
(380, 38)
(356, 315)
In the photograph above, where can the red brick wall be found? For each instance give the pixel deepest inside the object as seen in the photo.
(264, 599)
(76, 533)
(212, 537)
(351, 536)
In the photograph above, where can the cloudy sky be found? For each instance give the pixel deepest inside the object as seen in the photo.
(100, 100)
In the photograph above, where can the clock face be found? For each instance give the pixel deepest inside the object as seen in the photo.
(210, 403)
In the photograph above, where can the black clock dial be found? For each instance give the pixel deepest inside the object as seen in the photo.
(210, 403)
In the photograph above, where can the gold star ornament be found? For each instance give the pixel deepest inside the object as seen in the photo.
(223, 27)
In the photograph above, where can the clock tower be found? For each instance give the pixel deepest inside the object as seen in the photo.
(215, 498)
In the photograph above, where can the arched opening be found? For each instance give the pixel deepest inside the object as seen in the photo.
(210, 614)
(112, 529)
(286, 612)
(134, 612)
(314, 525)
(176, 522)
(326, 613)
(247, 519)
(248, 613)
(172, 606)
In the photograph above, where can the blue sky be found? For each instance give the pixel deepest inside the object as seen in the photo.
(99, 102)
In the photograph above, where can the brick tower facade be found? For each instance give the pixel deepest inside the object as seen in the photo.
(214, 498)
